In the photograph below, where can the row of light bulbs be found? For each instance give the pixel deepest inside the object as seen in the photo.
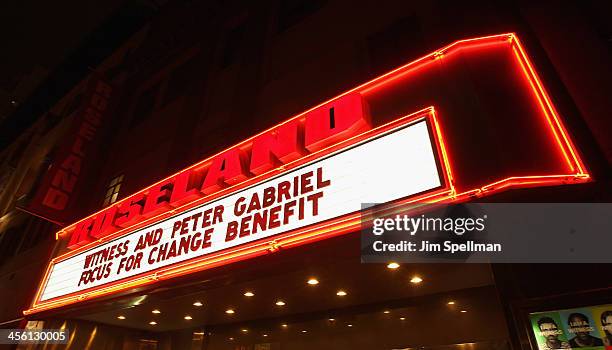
(349, 325)
(284, 325)
(311, 281)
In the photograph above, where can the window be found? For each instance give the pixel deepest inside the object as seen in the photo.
(112, 191)
(390, 47)
(145, 105)
(233, 43)
(180, 80)
(37, 230)
(120, 67)
(18, 152)
(294, 11)
(73, 105)
(10, 241)
(52, 120)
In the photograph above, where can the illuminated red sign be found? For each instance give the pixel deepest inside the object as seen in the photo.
(321, 127)
(511, 137)
(319, 189)
(55, 195)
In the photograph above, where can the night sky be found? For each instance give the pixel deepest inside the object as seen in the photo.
(48, 46)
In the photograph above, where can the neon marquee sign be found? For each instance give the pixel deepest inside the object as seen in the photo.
(309, 144)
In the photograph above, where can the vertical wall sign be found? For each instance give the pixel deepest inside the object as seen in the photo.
(55, 196)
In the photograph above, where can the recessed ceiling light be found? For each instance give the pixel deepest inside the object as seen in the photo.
(416, 279)
(304, 331)
(340, 293)
(230, 311)
(249, 294)
(152, 323)
(187, 317)
(313, 281)
(280, 303)
(393, 265)
(156, 311)
(402, 318)
(451, 302)
(198, 303)
(284, 325)
(463, 311)
(244, 330)
(349, 325)
(231, 338)
(386, 312)
(264, 335)
(121, 317)
(332, 319)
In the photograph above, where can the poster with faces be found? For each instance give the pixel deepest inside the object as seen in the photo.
(578, 328)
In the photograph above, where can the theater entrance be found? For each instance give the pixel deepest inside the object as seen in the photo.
(315, 296)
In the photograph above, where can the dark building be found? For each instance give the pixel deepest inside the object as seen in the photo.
(525, 112)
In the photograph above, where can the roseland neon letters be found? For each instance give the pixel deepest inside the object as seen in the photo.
(289, 141)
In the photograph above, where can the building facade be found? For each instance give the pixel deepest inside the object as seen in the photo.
(201, 77)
